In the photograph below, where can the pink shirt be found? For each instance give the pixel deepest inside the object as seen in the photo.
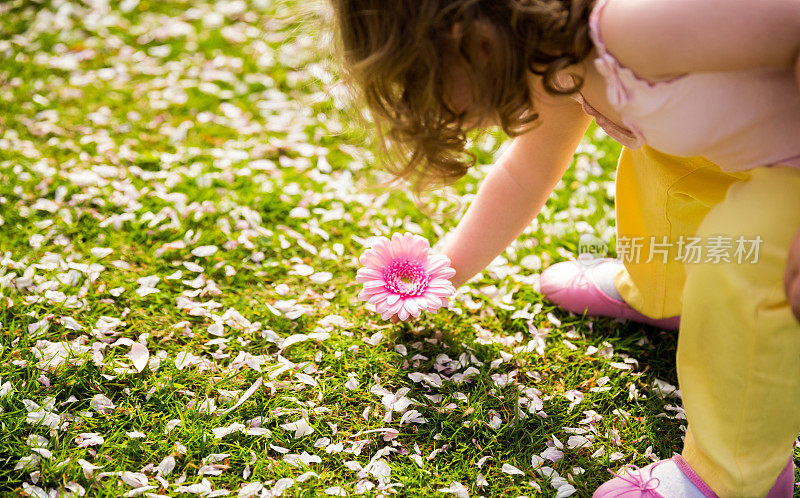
(738, 119)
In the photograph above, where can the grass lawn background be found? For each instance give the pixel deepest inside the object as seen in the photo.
(182, 203)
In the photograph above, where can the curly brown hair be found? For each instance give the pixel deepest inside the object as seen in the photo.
(399, 54)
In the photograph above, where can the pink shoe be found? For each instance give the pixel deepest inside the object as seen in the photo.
(673, 478)
(588, 286)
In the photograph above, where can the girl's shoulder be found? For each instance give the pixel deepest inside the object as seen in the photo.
(659, 39)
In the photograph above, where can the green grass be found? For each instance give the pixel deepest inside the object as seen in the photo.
(94, 153)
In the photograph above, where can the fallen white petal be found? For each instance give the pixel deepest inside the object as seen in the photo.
(456, 488)
(203, 251)
(220, 432)
(102, 404)
(294, 339)
(167, 464)
(134, 479)
(321, 277)
(578, 442)
(70, 323)
(252, 389)
(139, 355)
(565, 490)
(300, 427)
(88, 468)
(511, 470)
(184, 359)
(101, 252)
(171, 425)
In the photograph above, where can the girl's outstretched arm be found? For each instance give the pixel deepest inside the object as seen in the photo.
(516, 188)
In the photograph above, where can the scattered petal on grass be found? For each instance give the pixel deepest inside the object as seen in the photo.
(202, 488)
(294, 339)
(171, 425)
(553, 454)
(306, 379)
(578, 442)
(185, 359)
(282, 485)
(511, 470)
(665, 389)
(574, 398)
(37, 441)
(204, 251)
(412, 416)
(457, 489)
(88, 468)
(134, 479)
(566, 490)
(70, 323)
(34, 491)
(246, 395)
(321, 277)
(304, 459)
(86, 439)
(27, 463)
(166, 466)
(221, 432)
(374, 339)
(37, 329)
(140, 491)
(300, 427)
(306, 476)
(250, 490)
(101, 403)
(101, 252)
(146, 291)
(139, 355)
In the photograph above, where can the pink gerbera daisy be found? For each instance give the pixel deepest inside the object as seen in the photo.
(401, 278)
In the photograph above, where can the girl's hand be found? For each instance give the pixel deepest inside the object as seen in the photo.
(792, 278)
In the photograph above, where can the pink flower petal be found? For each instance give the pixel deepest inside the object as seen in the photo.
(372, 261)
(365, 274)
(374, 284)
(436, 262)
(419, 248)
(382, 307)
(395, 308)
(412, 307)
(443, 273)
(366, 294)
(441, 282)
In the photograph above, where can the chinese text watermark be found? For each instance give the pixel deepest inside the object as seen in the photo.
(716, 249)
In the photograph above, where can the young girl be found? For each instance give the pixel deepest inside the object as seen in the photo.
(704, 96)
